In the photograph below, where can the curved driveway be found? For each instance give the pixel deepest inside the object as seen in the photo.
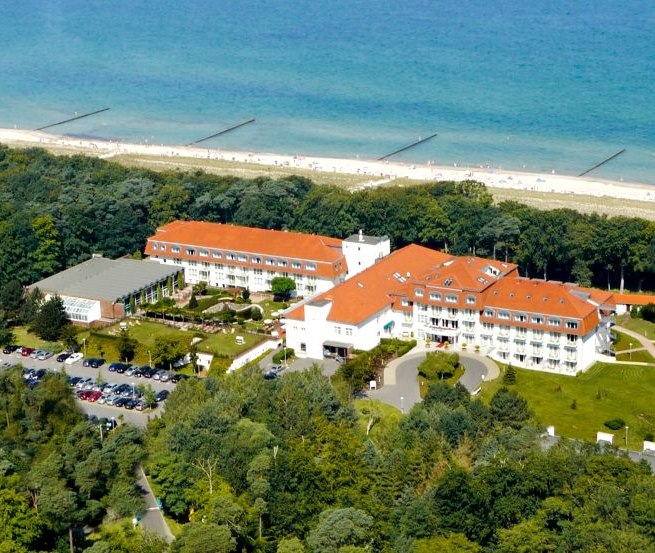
(401, 385)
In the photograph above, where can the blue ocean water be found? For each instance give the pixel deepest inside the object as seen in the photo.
(522, 84)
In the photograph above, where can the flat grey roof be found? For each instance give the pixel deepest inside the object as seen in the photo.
(100, 278)
(366, 239)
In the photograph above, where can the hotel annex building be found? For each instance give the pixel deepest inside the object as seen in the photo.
(356, 292)
(429, 295)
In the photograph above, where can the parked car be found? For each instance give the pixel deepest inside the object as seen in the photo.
(63, 356)
(138, 373)
(270, 374)
(35, 353)
(94, 395)
(26, 352)
(159, 374)
(72, 380)
(162, 395)
(112, 368)
(39, 374)
(165, 377)
(73, 358)
(82, 383)
(45, 355)
(96, 362)
(28, 373)
(111, 400)
(150, 372)
(121, 402)
(129, 371)
(131, 404)
(9, 349)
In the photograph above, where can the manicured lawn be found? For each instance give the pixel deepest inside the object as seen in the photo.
(387, 415)
(602, 393)
(270, 306)
(23, 337)
(644, 328)
(147, 332)
(226, 343)
(624, 342)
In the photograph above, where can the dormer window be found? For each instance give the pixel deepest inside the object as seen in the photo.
(435, 296)
(418, 292)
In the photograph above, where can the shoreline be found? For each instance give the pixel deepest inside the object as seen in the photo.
(380, 172)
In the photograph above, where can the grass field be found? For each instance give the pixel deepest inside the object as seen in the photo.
(626, 342)
(602, 393)
(387, 416)
(226, 343)
(23, 337)
(644, 328)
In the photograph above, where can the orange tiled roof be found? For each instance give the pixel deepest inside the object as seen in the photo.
(633, 299)
(367, 293)
(467, 273)
(324, 250)
(543, 297)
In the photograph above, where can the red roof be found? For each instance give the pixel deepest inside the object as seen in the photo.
(323, 250)
(467, 273)
(634, 299)
(369, 292)
(547, 298)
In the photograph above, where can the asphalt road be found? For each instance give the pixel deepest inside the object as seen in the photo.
(153, 519)
(137, 418)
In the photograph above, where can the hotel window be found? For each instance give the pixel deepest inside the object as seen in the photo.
(242, 258)
(281, 263)
(310, 266)
(230, 256)
(270, 261)
(503, 315)
(192, 263)
(537, 319)
(470, 299)
(295, 264)
(190, 251)
(175, 249)
(155, 247)
(554, 322)
(217, 254)
(521, 332)
(488, 312)
(337, 329)
(571, 338)
(162, 247)
(572, 325)
(521, 318)
(349, 331)
(451, 298)
(219, 266)
(204, 253)
(404, 302)
(418, 293)
(205, 264)
(258, 271)
(257, 260)
(434, 296)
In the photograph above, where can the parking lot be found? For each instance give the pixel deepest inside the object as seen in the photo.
(102, 373)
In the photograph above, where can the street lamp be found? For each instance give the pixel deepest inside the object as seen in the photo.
(150, 358)
(630, 353)
(626, 436)
(133, 393)
(84, 342)
(402, 404)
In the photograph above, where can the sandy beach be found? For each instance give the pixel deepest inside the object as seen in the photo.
(375, 173)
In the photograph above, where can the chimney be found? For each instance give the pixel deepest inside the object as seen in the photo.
(361, 235)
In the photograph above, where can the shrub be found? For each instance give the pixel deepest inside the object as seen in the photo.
(256, 314)
(615, 424)
(648, 312)
(280, 355)
(509, 377)
(193, 302)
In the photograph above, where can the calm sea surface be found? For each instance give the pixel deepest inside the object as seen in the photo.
(541, 85)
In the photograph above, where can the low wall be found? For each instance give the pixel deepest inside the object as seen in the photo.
(253, 353)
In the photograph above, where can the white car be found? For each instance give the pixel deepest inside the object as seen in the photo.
(74, 358)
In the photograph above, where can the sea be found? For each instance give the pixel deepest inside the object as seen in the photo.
(535, 85)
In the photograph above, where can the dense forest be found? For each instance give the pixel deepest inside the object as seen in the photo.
(56, 211)
(287, 466)
(59, 473)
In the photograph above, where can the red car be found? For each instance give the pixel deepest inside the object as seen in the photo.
(27, 352)
(93, 395)
(84, 394)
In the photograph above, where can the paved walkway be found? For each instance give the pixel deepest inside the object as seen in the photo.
(645, 342)
(153, 519)
(401, 384)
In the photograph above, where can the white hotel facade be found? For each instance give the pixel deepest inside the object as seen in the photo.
(234, 256)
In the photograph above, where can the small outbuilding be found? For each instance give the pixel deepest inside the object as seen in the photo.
(100, 290)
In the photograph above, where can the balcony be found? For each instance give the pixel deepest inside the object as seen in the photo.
(553, 354)
(554, 341)
(443, 329)
(571, 345)
(520, 339)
